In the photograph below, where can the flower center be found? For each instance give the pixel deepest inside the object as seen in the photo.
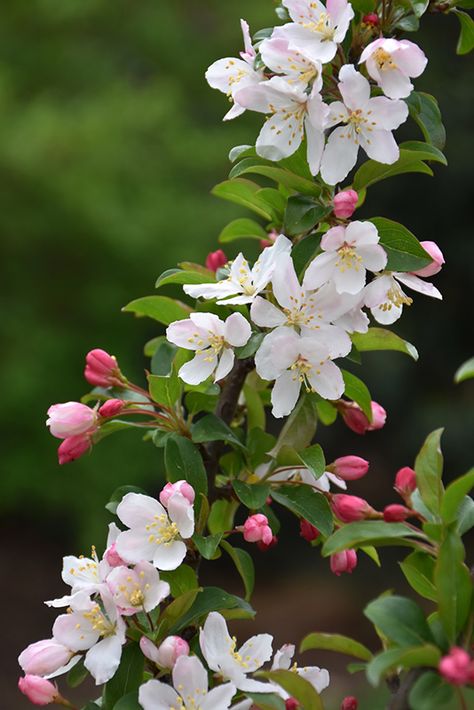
(238, 658)
(395, 298)
(98, 621)
(321, 26)
(216, 342)
(348, 258)
(301, 368)
(300, 313)
(163, 531)
(384, 59)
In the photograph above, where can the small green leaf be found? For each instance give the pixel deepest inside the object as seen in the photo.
(337, 643)
(176, 610)
(454, 496)
(430, 691)
(418, 569)
(381, 339)
(454, 586)
(303, 213)
(404, 251)
(304, 501)
(259, 166)
(77, 675)
(178, 276)
(313, 459)
(466, 37)
(465, 372)
(118, 494)
(207, 546)
(181, 580)
(244, 565)
(297, 686)
(212, 428)
(304, 251)
(267, 701)
(400, 619)
(256, 419)
(425, 112)
(165, 390)
(375, 532)
(465, 519)
(242, 229)
(128, 702)
(358, 391)
(429, 470)
(372, 171)
(221, 517)
(161, 308)
(242, 192)
(183, 461)
(127, 678)
(419, 6)
(210, 599)
(299, 428)
(251, 346)
(252, 495)
(424, 151)
(419, 656)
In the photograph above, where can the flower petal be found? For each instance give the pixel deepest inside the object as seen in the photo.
(169, 556)
(181, 512)
(199, 368)
(155, 695)
(285, 394)
(226, 363)
(136, 508)
(237, 330)
(266, 314)
(326, 379)
(103, 659)
(340, 155)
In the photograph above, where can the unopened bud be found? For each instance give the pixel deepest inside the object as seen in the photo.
(438, 260)
(44, 657)
(73, 448)
(308, 531)
(183, 487)
(264, 546)
(111, 408)
(349, 468)
(345, 203)
(256, 529)
(349, 703)
(356, 420)
(371, 19)
(351, 508)
(216, 259)
(71, 419)
(396, 513)
(456, 666)
(344, 561)
(170, 650)
(405, 481)
(292, 704)
(102, 369)
(38, 690)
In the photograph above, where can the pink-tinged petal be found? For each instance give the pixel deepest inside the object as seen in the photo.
(374, 257)
(318, 111)
(361, 234)
(326, 380)
(158, 592)
(257, 650)
(277, 352)
(199, 368)
(354, 88)
(381, 146)
(135, 508)
(226, 363)
(183, 334)
(278, 57)
(370, 49)
(279, 138)
(66, 632)
(221, 697)
(103, 659)
(417, 284)
(285, 394)
(64, 669)
(351, 280)
(318, 677)
(237, 330)
(155, 695)
(134, 546)
(410, 58)
(181, 512)
(339, 157)
(337, 10)
(208, 322)
(320, 270)
(169, 556)
(315, 139)
(286, 286)
(249, 50)
(225, 74)
(309, 43)
(266, 314)
(395, 84)
(334, 238)
(190, 677)
(387, 114)
(234, 112)
(215, 640)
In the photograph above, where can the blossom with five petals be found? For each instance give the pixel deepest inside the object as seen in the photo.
(368, 123)
(155, 535)
(386, 298)
(137, 589)
(391, 63)
(212, 340)
(296, 68)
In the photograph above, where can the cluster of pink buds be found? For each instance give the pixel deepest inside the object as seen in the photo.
(457, 667)
(405, 485)
(39, 691)
(257, 529)
(357, 421)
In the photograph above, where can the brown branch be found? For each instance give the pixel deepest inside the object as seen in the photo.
(401, 690)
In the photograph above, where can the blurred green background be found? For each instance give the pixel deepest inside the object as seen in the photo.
(110, 141)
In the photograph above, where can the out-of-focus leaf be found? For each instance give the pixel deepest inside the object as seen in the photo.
(429, 470)
(337, 643)
(466, 36)
(400, 619)
(161, 308)
(374, 532)
(465, 372)
(242, 229)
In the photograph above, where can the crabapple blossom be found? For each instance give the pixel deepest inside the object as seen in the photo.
(396, 513)
(155, 535)
(316, 30)
(307, 531)
(219, 650)
(405, 481)
(182, 487)
(292, 113)
(456, 667)
(350, 468)
(212, 340)
(438, 260)
(368, 123)
(71, 419)
(357, 421)
(168, 651)
(216, 259)
(243, 283)
(189, 691)
(391, 63)
(348, 252)
(385, 297)
(102, 369)
(297, 69)
(345, 203)
(38, 690)
(256, 529)
(343, 562)
(230, 74)
(111, 407)
(318, 677)
(73, 447)
(46, 658)
(137, 589)
(351, 508)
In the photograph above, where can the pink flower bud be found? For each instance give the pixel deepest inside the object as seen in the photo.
(182, 487)
(292, 704)
(308, 531)
(71, 419)
(350, 468)
(170, 650)
(73, 448)
(405, 481)
(269, 242)
(438, 260)
(112, 557)
(44, 657)
(256, 528)
(38, 690)
(396, 513)
(263, 547)
(102, 369)
(345, 203)
(456, 666)
(215, 260)
(351, 508)
(371, 19)
(344, 561)
(356, 420)
(350, 703)
(111, 408)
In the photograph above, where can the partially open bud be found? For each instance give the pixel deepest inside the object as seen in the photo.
(256, 529)
(73, 448)
(356, 420)
(102, 369)
(396, 513)
(264, 546)
(44, 657)
(38, 690)
(111, 408)
(351, 508)
(349, 703)
(456, 666)
(183, 487)
(170, 650)
(216, 259)
(405, 481)
(345, 203)
(438, 260)
(70, 419)
(349, 468)
(371, 19)
(308, 531)
(343, 562)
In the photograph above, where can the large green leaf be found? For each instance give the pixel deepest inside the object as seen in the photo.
(242, 229)
(400, 619)
(371, 171)
(368, 532)
(299, 428)
(165, 390)
(161, 308)
(259, 166)
(424, 151)
(267, 701)
(210, 599)
(313, 459)
(128, 677)
(212, 428)
(183, 461)
(337, 643)
(429, 692)
(466, 36)
(298, 687)
(207, 546)
(381, 339)
(178, 276)
(425, 112)
(181, 580)
(358, 391)
(174, 611)
(221, 517)
(429, 470)
(128, 702)
(304, 251)
(454, 586)
(244, 566)
(303, 213)
(454, 496)
(404, 251)
(419, 656)
(304, 501)
(242, 192)
(418, 569)
(252, 495)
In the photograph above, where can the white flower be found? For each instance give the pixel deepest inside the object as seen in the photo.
(316, 30)
(190, 690)
(293, 360)
(368, 123)
(318, 677)
(385, 297)
(297, 69)
(212, 339)
(347, 253)
(292, 112)
(137, 589)
(243, 283)
(96, 628)
(391, 63)
(230, 74)
(219, 650)
(155, 535)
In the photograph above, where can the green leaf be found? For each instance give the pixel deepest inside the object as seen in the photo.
(465, 519)
(466, 37)
(454, 496)
(211, 599)
(165, 390)
(337, 643)
(430, 691)
(275, 201)
(244, 565)
(416, 657)
(381, 339)
(425, 112)
(465, 372)
(404, 251)
(424, 151)
(313, 459)
(259, 166)
(256, 419)
(299, 428)
(304, 501)
(327, 413)
(251, 346)
(128, 702)
(241, 151)
(207, 546)
(242, 229)
(183, 461)
(162, 359)
(429, 469)
(303, 213)
(418, 569)
(375, 532)
(181, 580)
(358, 391)
(212, 428)
(372, 172)
(242, 192)
(178, 276)
(267, 701)
(127, 678)
(400, 619)
(454, 586)
(178, 608)
(221, 517)
(304, 251)
(118, 494)
(200, 402)
(252, 495)
(419, 6)
(77, 675)
(298, 687)
(161, 308)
